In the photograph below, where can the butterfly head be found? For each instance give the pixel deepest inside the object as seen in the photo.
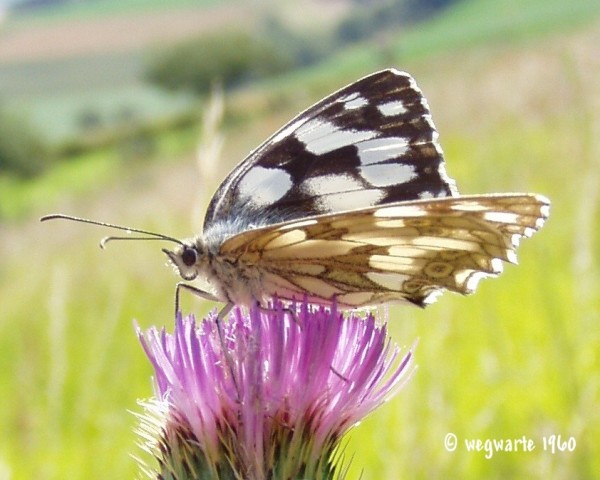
(188, 258)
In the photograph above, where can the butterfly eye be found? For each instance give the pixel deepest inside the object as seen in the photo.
(188, 256)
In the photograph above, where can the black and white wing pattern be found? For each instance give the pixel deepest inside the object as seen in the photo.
(370, 143)
(351, 201)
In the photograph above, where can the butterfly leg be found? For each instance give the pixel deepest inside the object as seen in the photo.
(220, 317)
(225, 311)
(197, 292)
(219, 323)
(284, 308)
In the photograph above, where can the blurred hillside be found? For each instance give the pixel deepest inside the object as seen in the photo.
(58, 63)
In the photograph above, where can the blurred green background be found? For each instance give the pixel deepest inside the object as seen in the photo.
(100, 117)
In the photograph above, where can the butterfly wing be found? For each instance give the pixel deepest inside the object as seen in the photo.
(370, 143)
(406, 251)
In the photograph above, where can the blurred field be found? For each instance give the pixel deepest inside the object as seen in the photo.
(108, 35)
(518, 358)
(57, 64)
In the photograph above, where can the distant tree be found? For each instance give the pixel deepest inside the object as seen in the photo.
(421, 9)
(23, 151)
(230, 58)
(370, 18)
(89, 119)
(298, 47)
(26, 5)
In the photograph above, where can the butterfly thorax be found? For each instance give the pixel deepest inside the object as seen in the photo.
(227, 279)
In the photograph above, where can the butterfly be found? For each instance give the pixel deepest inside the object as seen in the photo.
(350, 201)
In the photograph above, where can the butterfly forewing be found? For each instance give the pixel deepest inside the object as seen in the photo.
(370, 143)
(405, 251)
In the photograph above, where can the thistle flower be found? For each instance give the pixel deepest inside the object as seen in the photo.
(275, 404)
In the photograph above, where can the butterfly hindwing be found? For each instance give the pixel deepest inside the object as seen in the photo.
(406, 251)
(370, 143)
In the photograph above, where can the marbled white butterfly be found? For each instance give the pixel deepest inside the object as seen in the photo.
(351, 200)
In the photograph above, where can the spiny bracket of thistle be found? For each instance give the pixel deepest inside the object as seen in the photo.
(301, 382)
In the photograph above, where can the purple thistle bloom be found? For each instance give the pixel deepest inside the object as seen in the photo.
(276, 403)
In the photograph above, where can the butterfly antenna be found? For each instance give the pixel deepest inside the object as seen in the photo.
(105, 240)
